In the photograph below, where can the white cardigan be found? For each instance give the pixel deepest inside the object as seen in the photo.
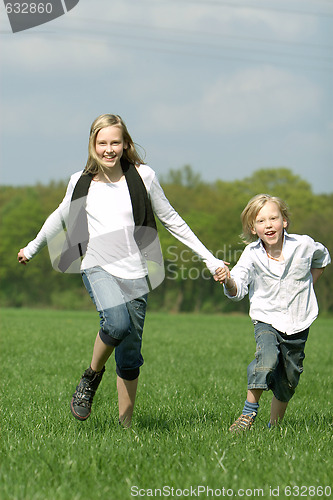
(109, 212)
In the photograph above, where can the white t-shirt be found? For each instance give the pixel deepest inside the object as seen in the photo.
(111, 226)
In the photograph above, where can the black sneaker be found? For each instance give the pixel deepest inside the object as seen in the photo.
(85, 392)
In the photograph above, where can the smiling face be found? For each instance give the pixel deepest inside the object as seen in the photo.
(109, 146)
(269, 226)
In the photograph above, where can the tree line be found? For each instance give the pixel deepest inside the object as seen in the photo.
(212, 210)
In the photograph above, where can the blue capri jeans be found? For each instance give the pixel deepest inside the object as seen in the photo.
(278, 361)
(121, 304)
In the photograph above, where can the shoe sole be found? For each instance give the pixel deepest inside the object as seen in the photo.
(239, 430)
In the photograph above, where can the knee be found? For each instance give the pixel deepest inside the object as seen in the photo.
(270, 361)
(267, 353)
(128, 374)
(115, 326)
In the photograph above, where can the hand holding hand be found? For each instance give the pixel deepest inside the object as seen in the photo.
(222, 274)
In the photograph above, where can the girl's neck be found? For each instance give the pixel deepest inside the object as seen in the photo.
(108, 175)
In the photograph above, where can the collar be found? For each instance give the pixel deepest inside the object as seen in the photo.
(258, 243)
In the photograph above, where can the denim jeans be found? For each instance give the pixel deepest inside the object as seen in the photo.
(278, 361)
(121, 305)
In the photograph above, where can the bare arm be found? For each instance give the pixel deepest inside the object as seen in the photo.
(231, 287)
(316, 273)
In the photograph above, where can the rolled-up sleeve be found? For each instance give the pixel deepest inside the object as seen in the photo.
(321, 257)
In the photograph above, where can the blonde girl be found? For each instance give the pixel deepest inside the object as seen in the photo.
(109, 211)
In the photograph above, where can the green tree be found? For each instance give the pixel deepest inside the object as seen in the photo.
(212, 210)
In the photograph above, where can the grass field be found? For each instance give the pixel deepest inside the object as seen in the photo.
(191, 388)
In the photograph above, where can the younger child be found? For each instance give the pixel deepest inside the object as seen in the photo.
(278, 271)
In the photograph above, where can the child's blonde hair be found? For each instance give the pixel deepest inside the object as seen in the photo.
(250, 212)
(107, 120)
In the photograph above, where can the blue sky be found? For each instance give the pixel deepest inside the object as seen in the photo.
(227, 87)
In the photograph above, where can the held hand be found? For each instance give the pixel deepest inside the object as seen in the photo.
(22, 258)
(221, 274)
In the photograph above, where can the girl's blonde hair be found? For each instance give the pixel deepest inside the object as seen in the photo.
(250, 212)
(107, 120)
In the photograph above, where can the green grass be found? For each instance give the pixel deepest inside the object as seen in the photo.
(191, 388)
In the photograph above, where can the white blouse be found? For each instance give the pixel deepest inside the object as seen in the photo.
(281, 293)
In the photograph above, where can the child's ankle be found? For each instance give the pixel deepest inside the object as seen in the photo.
(250, 408)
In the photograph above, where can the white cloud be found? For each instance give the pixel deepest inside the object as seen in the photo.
(51, 53)
(261, 98)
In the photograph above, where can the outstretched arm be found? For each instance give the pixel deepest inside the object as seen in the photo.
(173, 222)
(51, 227)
